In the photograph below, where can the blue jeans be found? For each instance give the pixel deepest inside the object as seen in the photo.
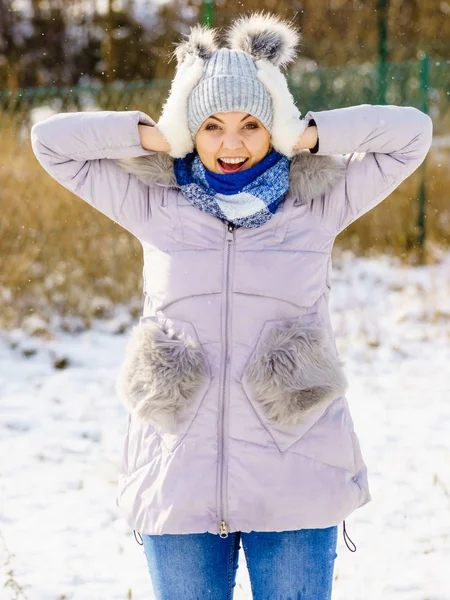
(286, 565)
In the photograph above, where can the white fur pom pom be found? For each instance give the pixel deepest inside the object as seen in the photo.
(287, 125)
(200, 42)
(265, 37)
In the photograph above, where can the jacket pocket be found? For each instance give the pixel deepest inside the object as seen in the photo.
(164, 376)
(292, 376)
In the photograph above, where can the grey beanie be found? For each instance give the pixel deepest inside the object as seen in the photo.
(229, 83)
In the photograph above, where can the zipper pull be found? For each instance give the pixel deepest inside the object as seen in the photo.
(230, 228)
(223, 529)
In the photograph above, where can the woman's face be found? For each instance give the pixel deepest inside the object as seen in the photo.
(231, 135)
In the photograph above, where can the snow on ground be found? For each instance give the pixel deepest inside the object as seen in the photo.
(61, 435)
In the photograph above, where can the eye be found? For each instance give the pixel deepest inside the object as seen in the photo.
(251, 125)
(211, 127)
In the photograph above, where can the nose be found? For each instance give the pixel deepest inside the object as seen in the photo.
(232, 141)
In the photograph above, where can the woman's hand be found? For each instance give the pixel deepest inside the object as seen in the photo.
(308, 139)
(153, 139)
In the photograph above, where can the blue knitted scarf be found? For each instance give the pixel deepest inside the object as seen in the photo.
(247, 198)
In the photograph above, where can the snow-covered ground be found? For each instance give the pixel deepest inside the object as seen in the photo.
(61, 435)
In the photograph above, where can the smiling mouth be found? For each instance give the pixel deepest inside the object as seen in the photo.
(231, 168)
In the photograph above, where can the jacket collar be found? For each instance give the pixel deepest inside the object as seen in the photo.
(311, 175)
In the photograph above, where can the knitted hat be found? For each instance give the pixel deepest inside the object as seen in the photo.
(244, 77)
(229, 83)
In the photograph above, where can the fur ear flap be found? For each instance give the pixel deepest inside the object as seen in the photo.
(191, 55)
(265, 36)
(202, 42)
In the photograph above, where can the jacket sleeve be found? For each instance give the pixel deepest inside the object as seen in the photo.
(75, 148)
(382, 145)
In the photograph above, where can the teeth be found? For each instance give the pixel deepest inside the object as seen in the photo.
(232, 161)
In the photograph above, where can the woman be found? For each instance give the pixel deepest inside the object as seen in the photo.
(238, 425)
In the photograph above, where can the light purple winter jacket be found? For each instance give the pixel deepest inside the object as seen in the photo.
(238, 419)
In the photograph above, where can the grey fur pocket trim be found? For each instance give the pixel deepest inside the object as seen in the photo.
(161, 373)
(293, 371)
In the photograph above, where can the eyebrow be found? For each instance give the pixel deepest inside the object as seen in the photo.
(220, 121)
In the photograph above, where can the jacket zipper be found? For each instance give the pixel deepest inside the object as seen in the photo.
(223, 525)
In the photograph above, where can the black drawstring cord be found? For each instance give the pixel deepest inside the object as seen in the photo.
(345, 540)
(141, 543)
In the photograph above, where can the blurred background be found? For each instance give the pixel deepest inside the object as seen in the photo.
(60, 257)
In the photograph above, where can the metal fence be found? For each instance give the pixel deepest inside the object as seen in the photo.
(424, 83)
(59, 257)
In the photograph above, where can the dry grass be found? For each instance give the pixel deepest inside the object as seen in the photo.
(58, 254)
(61, 257)
(392, 226)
